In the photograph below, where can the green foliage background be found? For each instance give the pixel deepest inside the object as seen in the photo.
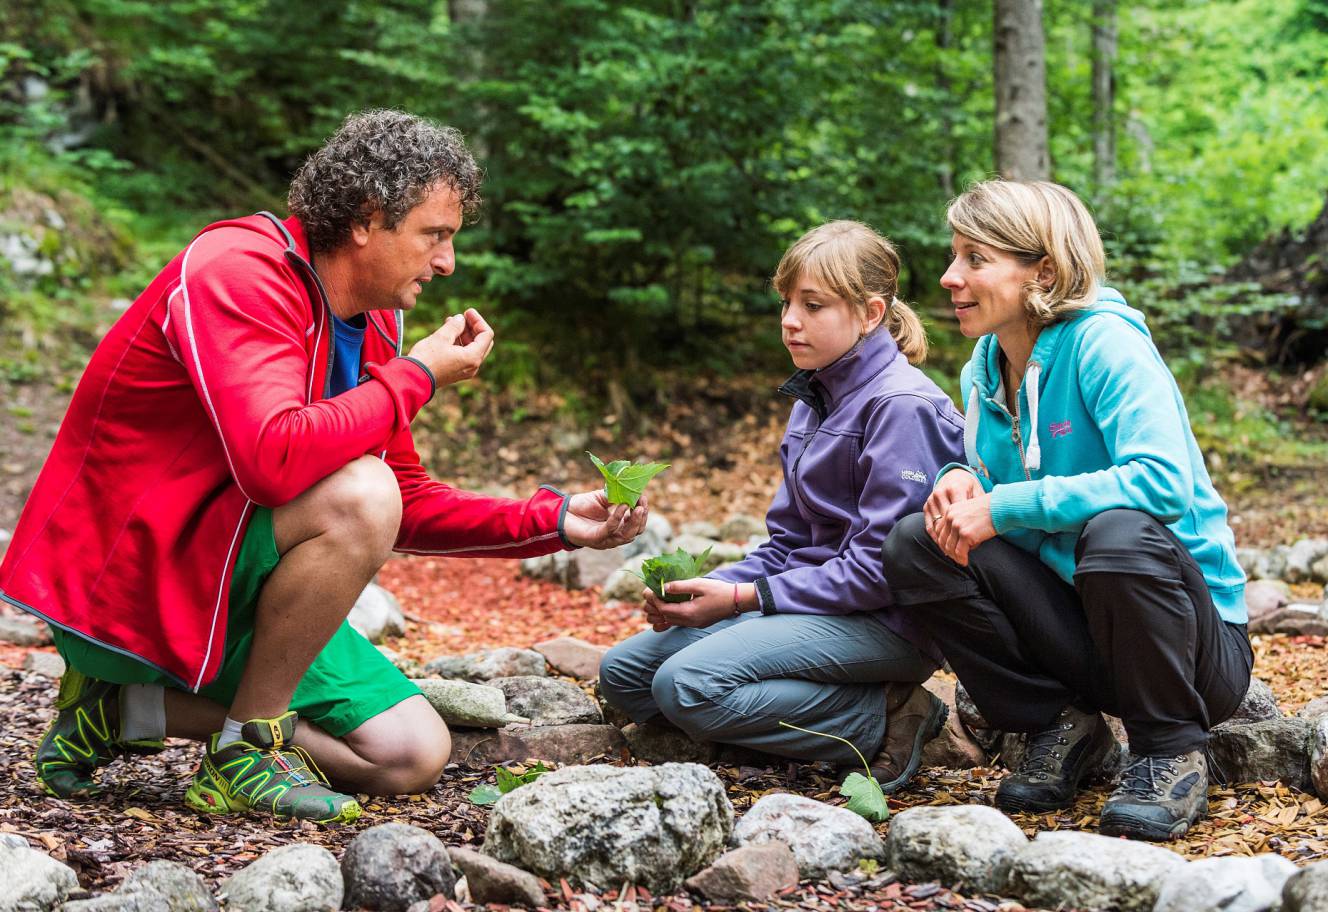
(649, 160)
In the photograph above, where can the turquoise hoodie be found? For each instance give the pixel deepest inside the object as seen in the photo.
(1100, 424)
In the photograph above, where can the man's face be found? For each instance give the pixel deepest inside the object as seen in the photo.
(394, 263)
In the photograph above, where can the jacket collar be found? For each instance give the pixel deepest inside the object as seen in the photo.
(822, 389)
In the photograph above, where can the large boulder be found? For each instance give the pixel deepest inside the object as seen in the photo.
(572, 656)
(1063, 870)
(377, 614)
(1301, 558)
(1307, 889)
(33, 881)
(824, 838)
(749, 874)
(1255, 751)
(180, 889)
(465, 704)
(970, 845)
(547, 701)
(292, 878)
(1226, 885)
(492, 881)
(1259, 704)
(561, 744)
(390, 866)
(503, 662)
(603, 825)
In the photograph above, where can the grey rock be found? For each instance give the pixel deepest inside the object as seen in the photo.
(1301, 556)
(1259, 704)
(504, 662)
(625, 585)
(1087, 871)
(721, 552)
(967, 844)
(1226, 885)
(824, 838)
(579, 569)
(953, 748)
(22, 631)
(561, 744)
(603, 825)
(407, 666)
(1263, 597)
(1248, 558)
(660, 742)
(1319, 756)
(1318, 569)
(1307, 890)
(612, 714)
(292, 878)
(700, 528)
(33, 881)
(547, 701)
(180, 889)
(12, 841)
(551, 568)
(1314, 708)
(493, 881)
(754, 542)
(572, 656)
(1254, 751)
(466, 704)
(390, 866)
(1270, 564)
(144, 901)
(748, 874)
(46, 664)
(1296, 619)
(654, 539)
(377, 614)
(740, 527)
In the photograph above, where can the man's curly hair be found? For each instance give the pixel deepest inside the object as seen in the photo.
(379, 160)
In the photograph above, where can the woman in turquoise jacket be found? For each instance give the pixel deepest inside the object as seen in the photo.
(1081, 561)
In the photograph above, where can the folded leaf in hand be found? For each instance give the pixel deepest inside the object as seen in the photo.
(624, 482)
(865, 797)
(666, 568)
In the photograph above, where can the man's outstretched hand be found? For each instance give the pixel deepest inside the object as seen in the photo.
(593, 522)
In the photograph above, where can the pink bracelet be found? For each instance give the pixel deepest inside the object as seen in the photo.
(736, 610)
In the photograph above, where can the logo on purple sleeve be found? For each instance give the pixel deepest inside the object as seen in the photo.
(1060, 430)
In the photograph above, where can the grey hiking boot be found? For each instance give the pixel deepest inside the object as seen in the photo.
(1057, 760)
(913, 716)
(1158, 797)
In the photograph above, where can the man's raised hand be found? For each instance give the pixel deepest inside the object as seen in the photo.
(455, 350)
(593, 522)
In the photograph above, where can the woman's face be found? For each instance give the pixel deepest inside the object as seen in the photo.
(986, 286)
(818, 326)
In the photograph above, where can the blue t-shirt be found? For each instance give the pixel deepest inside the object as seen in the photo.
(348, 337)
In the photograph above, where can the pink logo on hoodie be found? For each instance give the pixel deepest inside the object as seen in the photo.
(1060, 430)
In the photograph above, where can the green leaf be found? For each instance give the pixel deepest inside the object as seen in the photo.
(865, 797)
(507, 780)
(485, 795)
(624, 482)
(680, 565)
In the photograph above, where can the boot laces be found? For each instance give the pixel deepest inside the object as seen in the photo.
(1044, 750)
(1147, 777)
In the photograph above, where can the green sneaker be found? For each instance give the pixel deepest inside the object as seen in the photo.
(84, 736)
(262, 771)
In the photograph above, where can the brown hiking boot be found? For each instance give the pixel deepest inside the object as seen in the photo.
(1158, 797)
(1056, 761)
(913, 716)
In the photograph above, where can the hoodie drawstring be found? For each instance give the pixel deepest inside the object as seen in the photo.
(1033, 455)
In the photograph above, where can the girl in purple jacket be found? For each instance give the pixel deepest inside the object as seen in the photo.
(804, 629)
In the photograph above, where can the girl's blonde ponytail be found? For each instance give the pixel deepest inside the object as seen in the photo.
(904, 326)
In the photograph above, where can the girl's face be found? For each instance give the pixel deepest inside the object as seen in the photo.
(818, 326)
(986, 286)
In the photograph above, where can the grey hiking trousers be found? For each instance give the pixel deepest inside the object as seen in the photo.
(734, 681)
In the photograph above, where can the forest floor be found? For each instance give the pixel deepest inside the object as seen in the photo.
(722, 438)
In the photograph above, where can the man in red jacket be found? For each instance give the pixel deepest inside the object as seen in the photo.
(235, 466)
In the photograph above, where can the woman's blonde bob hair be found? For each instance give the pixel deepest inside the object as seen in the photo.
(1030, 220)
(854, 262)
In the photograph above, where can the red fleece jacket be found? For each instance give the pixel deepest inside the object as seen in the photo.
(205, 398)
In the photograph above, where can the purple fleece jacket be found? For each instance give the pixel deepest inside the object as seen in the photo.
(861, 452)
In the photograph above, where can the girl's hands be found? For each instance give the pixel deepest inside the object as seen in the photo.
(958, 515)
(712, 600)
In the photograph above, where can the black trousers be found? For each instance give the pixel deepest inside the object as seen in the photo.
(1137, 636)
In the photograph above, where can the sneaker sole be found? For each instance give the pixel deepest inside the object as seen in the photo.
(211, 801)
(1134, 827)
(928, 730)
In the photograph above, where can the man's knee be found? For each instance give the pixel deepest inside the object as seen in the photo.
(414, 759)
(360, 505)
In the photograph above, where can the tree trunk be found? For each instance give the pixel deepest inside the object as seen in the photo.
(1021, 91)
(1104, 96)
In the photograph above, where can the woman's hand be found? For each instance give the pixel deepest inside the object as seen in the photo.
(955, 486)
(712, 600)
(962, 526)
(593, 522)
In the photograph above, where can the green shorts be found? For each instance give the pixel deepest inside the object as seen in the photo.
(348, 683)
